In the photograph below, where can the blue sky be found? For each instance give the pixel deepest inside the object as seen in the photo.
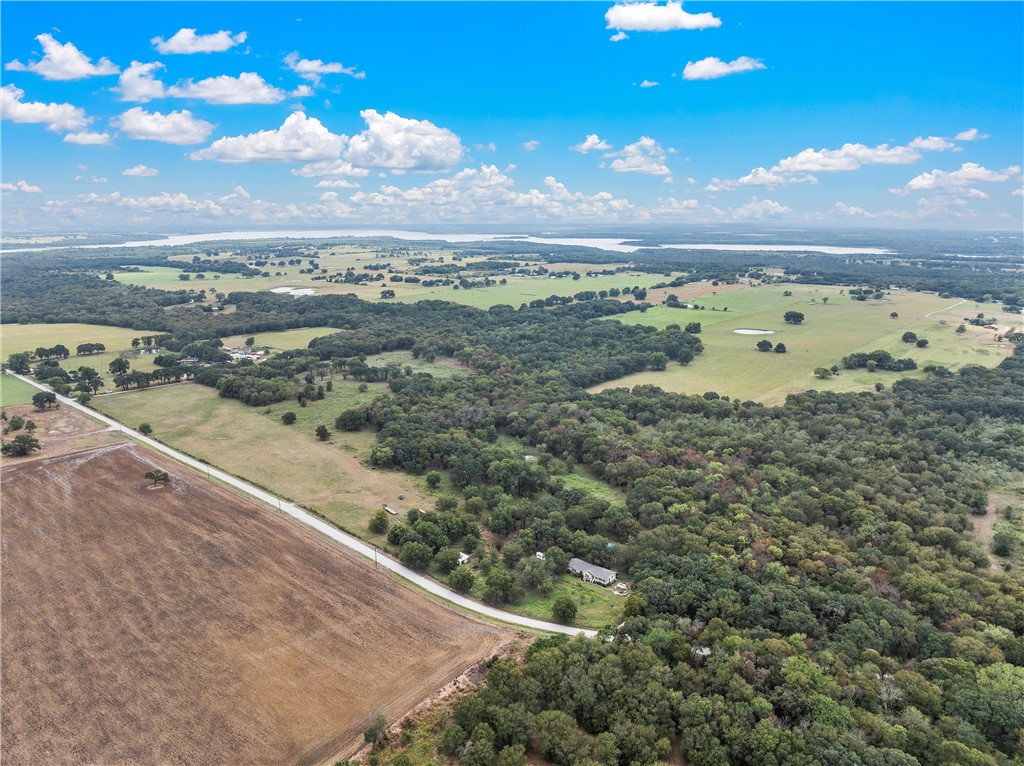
(171, 116)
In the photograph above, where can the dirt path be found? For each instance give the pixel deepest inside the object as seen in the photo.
(984, 530)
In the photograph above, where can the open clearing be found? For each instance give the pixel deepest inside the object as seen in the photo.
(13, 391)
(253, 444)
(188, 624)
(731, 365)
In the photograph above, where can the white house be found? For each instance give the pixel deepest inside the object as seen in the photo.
(591, 572)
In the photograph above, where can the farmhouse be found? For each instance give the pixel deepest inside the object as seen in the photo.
(591, 572)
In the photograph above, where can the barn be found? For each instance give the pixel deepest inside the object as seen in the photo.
(591, 572)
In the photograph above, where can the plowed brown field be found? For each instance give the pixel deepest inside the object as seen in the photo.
(189, 625)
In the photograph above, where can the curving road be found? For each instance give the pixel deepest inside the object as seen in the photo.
(304, 517)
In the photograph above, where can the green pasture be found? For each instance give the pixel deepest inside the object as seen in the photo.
(731, 365)
(597, 606)
(519, 290)
(14, 391)
(281, 340)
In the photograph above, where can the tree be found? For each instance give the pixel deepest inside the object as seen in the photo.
(894, 315)
(764, 345)
(376, 733)
(502, 588)
(250, 341)
(157, 477)
(909, 337)
(922, 342)
(288, 418)
(43, 400)
(447, 559)
(21, 445)
(433, 479)
(564, 610)
(793, 317)
(118, 367)
(387, 294)
(961, 329)
(416, 555)
(322, 433)
(19, 362)
(780, 348)
(378, 522)
(145, 428)
(825, 300)
(461, 579)
(351, 420)
(693, 328)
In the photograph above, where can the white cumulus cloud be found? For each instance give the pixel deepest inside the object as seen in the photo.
(299, 139)
(591, 143)
(847, 157)
(399, 143)
(187, 41)
(56, 117)
(649, 84)
(178, 127)
(618, 37)
(644, 156)
(336, 183)
(314, 69)
(63, 62)
(933, 144)
(970, 173)
(712, 67)
(531, 146)
(971, 134)
(140, 171)
(760, 209)
(654, 17)
(247, 88)
(21, 186)
(758, 177)
(138, 82)
(330, 168)
(87, 138)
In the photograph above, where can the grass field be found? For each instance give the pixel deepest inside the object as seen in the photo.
(29, 337)
(282, 340)
(254, 444)
(597, 606)
(731, 365)
(188, 624)
(13, 391)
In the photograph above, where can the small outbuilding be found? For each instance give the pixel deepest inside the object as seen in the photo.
(463, 558)
(591, 572)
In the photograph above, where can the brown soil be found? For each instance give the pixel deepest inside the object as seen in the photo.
(192, 625)
(61, 431)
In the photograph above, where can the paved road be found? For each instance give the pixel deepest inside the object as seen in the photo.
(323, 527)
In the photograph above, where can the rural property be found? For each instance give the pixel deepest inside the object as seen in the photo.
(184, 623)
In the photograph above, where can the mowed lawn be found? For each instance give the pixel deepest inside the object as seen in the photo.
(14, 391)
(731, 365)
(253, 443)
(520, 290)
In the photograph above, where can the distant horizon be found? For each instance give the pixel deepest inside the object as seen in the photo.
(204, 116)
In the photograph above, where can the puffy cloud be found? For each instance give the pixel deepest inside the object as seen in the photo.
(644, 156)
(971, 134)
(399, 143)
(933, 144)
(851, 210)
(652, 17)
(1018, 192)
(299, 139)
(969, 174)
(314, 69)
(331, 168)
(138, 83)
(713, 67)
(848, 157)
(531, 146)
(758, 177)
(649, 84)
(591, 143)
(140, 171)
(21, 186)
(618, 37)
(672, 207)
(172, 128)
(247, 88)
(760, 209)
(63, 62)
(338, 183)
(56, 117)
(302, 91)
(87, 138)
(187, 41)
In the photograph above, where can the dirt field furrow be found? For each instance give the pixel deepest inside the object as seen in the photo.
(188, 625)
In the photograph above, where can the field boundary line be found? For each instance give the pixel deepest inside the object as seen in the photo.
(305, 517)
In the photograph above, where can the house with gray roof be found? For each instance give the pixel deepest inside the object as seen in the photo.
(591, 572)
